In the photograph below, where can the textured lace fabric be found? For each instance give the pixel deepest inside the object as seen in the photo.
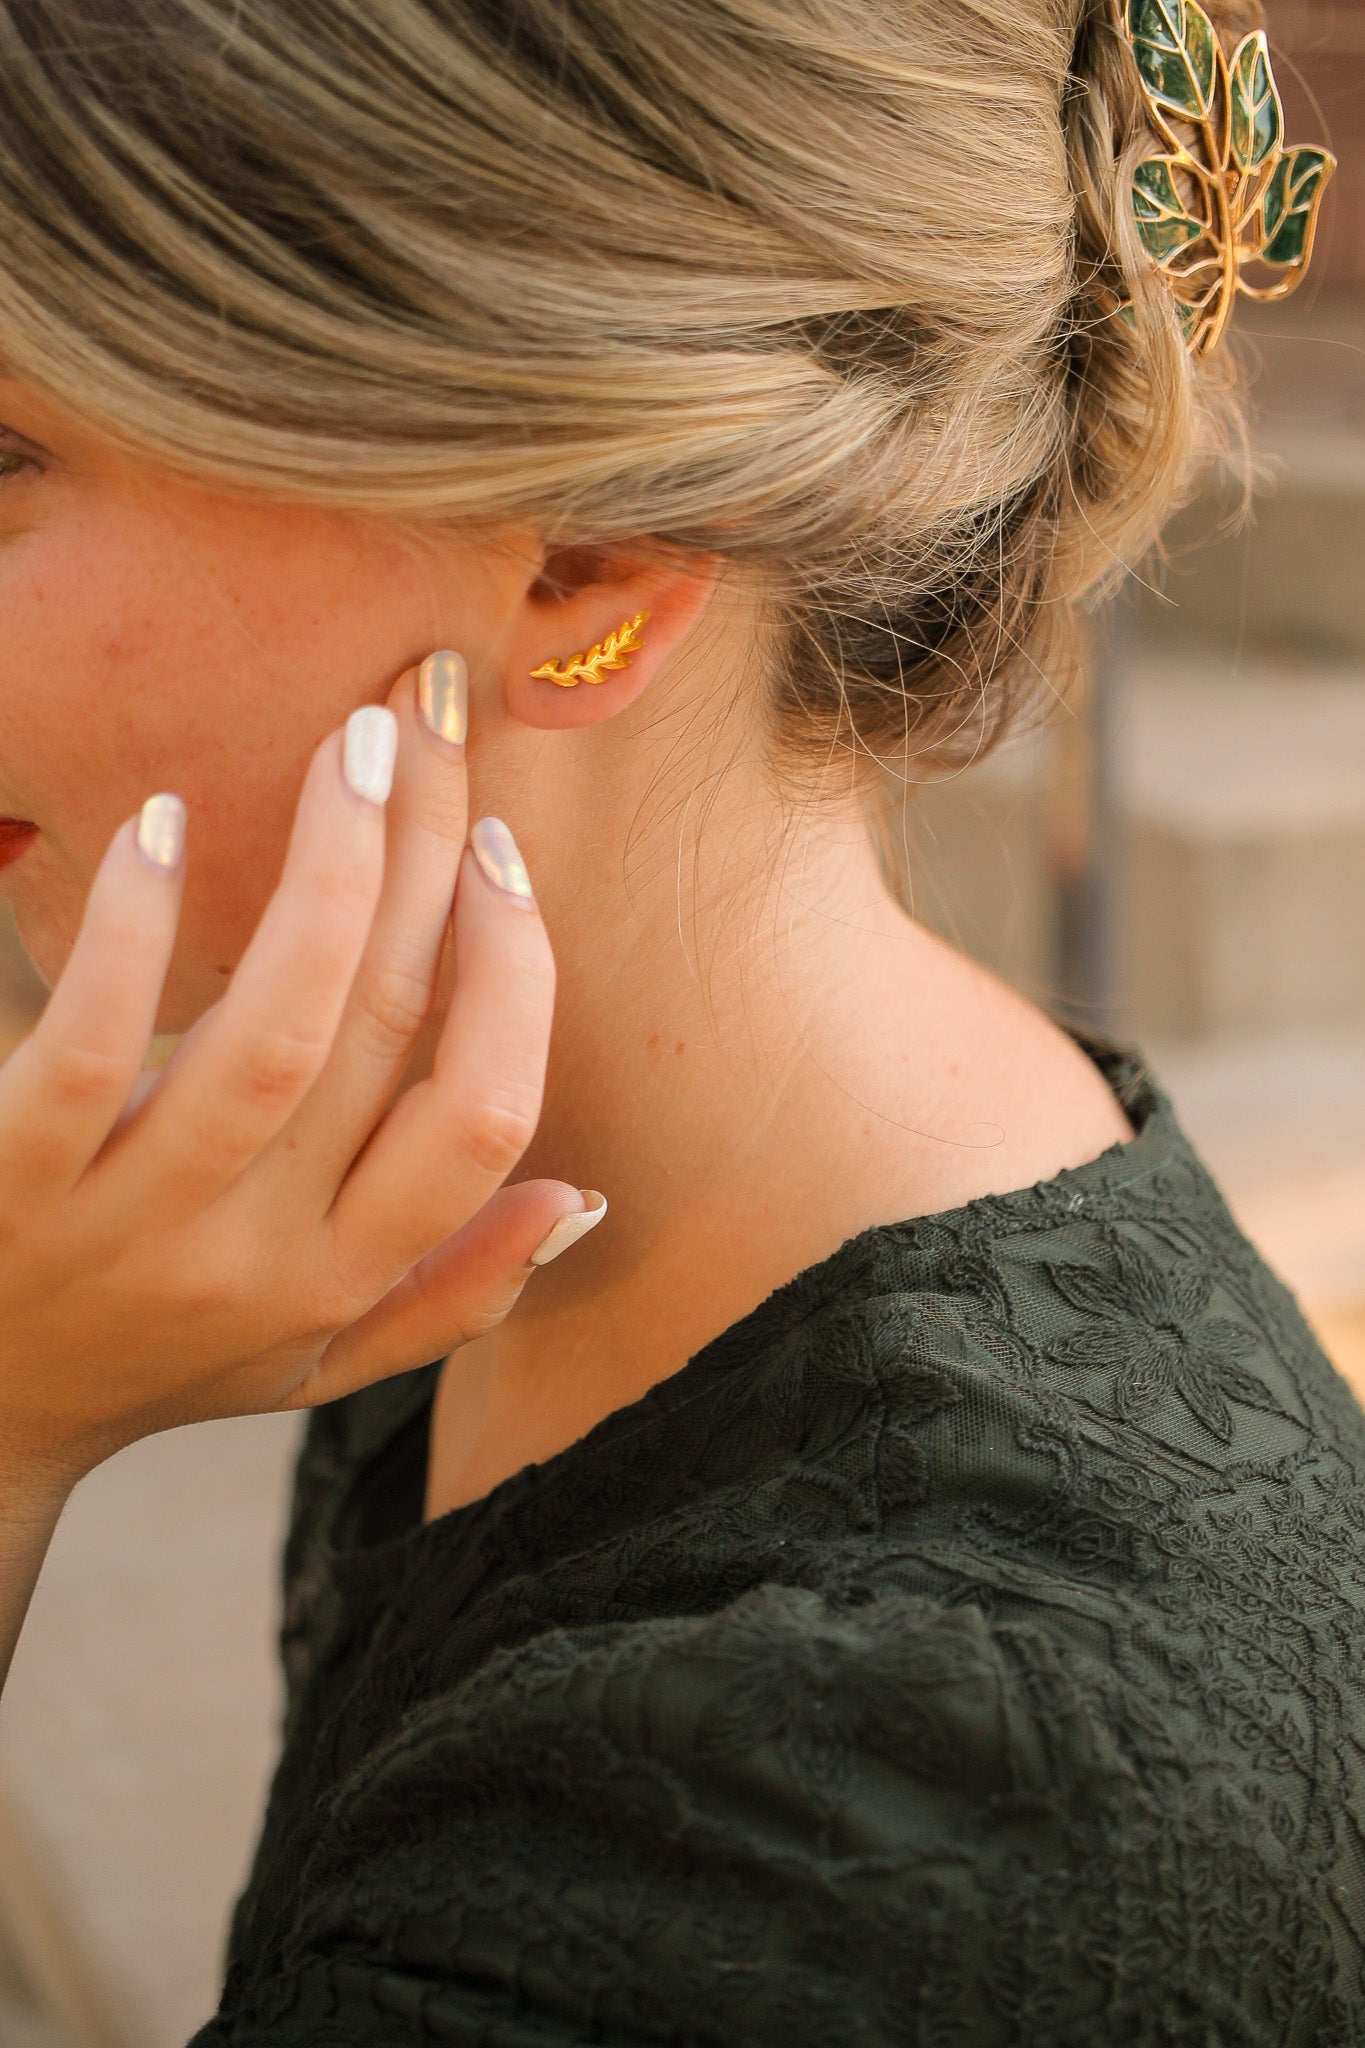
(966, 1647)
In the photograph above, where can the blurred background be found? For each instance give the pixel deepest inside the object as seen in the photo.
(1181, 864)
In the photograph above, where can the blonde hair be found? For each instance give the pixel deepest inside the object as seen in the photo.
(829, 286)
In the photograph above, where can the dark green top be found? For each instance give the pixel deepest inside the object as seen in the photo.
(964, 1648)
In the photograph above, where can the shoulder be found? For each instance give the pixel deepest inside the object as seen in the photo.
(798, 1821)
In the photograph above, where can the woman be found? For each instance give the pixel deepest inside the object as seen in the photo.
(899, 1579)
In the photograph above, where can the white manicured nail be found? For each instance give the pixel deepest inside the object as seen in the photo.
(570, 1228)
(443, 694)
(494, 848)
(161, 830)
(369, 751)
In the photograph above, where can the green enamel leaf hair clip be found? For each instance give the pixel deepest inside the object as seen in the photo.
(1225, 207)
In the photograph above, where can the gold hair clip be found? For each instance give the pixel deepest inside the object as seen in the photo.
(591, 667)
(1229, 196)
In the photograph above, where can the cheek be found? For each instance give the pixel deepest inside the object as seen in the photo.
(134, 663)
(178, 640)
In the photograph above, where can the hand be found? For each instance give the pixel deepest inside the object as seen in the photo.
(266, 1227)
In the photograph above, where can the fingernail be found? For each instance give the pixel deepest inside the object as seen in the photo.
(369, 751)
(570, 1228)
(443, 695)
(161, 830)
(495, 850)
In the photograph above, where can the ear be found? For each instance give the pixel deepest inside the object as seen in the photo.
(577, 598)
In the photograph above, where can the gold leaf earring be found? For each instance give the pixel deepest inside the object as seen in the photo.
(613, 652)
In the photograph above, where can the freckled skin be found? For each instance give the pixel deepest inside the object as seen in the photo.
(161, 635)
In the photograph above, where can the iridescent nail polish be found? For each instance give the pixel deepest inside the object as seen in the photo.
(161, 830)
(443, 695)
(495, 850)
(570, 1228)
(369, 750)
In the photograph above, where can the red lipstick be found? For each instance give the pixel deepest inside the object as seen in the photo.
(16, 837)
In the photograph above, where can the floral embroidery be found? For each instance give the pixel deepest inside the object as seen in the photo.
(895, 1672)
(1150, 1327)
(788, 1690)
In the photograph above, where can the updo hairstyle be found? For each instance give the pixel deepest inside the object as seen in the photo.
(830, 286)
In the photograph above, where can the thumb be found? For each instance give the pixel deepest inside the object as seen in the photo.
(459, 1291)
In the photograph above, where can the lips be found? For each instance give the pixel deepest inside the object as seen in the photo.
(16, 837)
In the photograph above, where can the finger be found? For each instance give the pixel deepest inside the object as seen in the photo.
(256, 1055)
(461, 1290)
(62, 1091)
(451, 1140)
(427, 817)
